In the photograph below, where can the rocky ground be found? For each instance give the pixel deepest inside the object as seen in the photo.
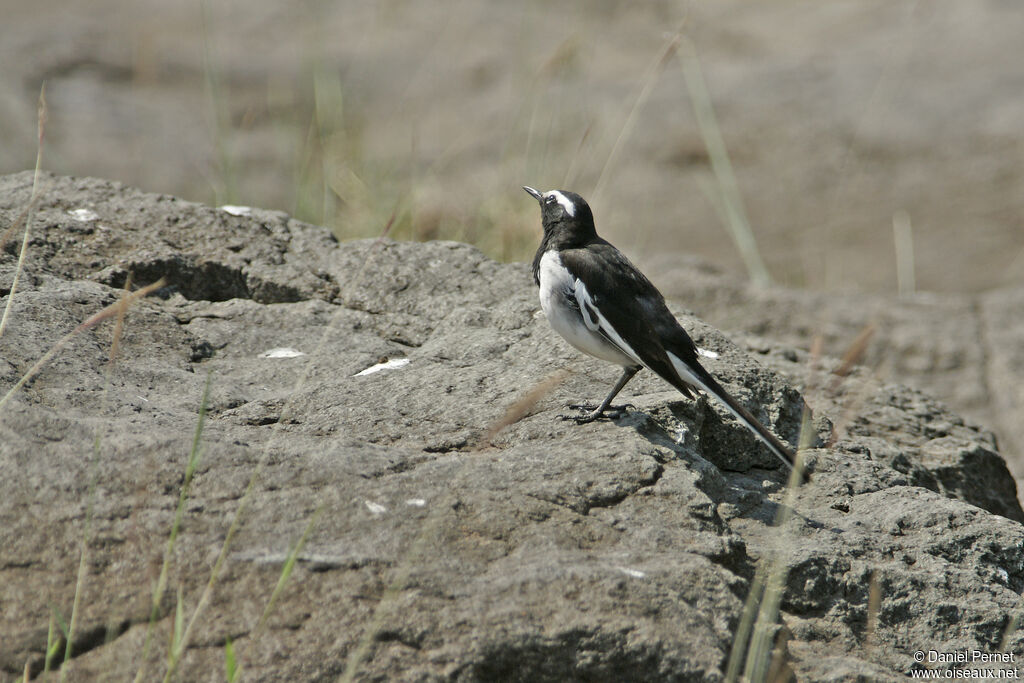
(453, 526)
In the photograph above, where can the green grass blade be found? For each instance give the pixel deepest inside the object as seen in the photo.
(289, 565)
(52, 641)
(231, 669)
(160, 586)
(179, 620)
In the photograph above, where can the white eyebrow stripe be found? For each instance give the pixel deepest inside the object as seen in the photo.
(566, 203)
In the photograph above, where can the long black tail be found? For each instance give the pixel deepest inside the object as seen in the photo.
(706, 382)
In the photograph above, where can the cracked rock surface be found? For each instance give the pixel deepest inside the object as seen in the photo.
(437, 548)
(964, 348)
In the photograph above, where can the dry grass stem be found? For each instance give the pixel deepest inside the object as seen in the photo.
(731, 202)
(874, 604)
(521, 408)
(852, 406)
(743, 629)
(649, 79)
(903, 236)
(93, 320)
(571, 170)
(115, 344)
(854, 352)
(758, 646)
(41, 120)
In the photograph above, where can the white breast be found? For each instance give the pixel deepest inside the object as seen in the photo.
(557, 289)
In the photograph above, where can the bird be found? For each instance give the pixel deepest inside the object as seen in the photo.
(600, 303)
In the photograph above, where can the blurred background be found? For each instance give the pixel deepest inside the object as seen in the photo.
(868, 153)
(837, 117)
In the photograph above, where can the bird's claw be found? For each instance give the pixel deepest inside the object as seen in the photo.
(611, 412)
(616, 412)
(580, 419)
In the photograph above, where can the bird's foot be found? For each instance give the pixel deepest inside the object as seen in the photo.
(594, 412)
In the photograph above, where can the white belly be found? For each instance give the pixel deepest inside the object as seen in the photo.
(556, 287)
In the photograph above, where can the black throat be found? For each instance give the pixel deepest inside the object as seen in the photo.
(568, 233)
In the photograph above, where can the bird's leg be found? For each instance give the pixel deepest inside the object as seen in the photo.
(627, 374)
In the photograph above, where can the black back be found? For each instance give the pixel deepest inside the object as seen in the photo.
(626, 298)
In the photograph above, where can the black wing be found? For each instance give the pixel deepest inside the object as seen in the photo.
(636, 312)
(633, 308)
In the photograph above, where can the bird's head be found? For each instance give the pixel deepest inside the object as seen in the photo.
(564, 211)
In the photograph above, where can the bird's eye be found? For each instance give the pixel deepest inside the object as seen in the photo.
(550, 199)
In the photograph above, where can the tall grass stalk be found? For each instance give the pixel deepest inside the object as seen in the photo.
(180, 641)
(328, 114)
(874, 607)
(174, 656)
(226, 192)
(649, 79)
(41, 116)
(177, 633)
(52, 644)
(572, 169)
(746, 624)
(232, 669)
(731, 203)
(904, 239)
(758, 659)
(195, 454)
(753, 643)
(761, 609)
(1011, 627)
(884, 92)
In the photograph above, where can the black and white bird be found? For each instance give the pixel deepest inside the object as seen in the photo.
(605, 307)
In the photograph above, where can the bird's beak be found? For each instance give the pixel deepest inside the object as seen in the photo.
(536, 195)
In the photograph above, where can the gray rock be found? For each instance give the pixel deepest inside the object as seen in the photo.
(438, 547)
(963, 347)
